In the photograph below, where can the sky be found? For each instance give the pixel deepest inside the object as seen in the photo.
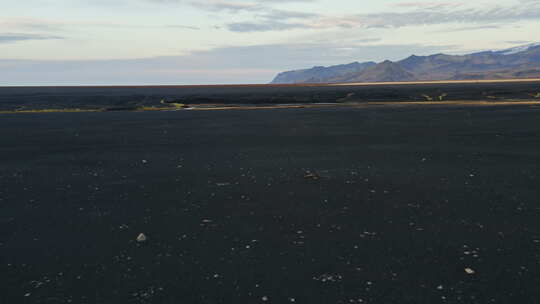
(118, 42)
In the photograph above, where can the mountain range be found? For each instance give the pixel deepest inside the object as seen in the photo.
(519, 62)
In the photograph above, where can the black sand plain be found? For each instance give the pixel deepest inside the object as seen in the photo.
(375, 204)
(131, 97)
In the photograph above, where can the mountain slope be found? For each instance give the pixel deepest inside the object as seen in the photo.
(386, 71)
(320, 74)
(519, 62)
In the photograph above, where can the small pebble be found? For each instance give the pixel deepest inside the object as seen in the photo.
(142, 238)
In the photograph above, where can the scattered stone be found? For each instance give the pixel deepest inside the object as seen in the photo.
(144, 161)
(469, 271)
(312, 175)
(142, 238)
(328, 278)
(264, 298)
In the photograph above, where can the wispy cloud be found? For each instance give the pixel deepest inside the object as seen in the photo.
(428, 4)
(55, 26)
(31, 24)
(16, 37)
(269, 18)
(227, 5)
(422, 13)
(185, 27)
(518, 42)
(470, 28)
(244, 27)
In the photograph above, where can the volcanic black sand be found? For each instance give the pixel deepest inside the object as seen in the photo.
(135, 97)
(382, 204)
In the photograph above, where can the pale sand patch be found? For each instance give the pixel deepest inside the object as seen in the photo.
(436, 82)
(367, 104)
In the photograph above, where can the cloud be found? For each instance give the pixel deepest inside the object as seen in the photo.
(31, 24)
(16, 37)
(423, 13)
(227, 5)
(185, 27)
(272, 18)
(470, 28)
(518, 42)
(277, 14)
(244, 27)
(56, 26)
(260, 10)
(428, 5)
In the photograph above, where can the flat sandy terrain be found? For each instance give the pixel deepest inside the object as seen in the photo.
(135, 97)
(443, 82)
(374, 204)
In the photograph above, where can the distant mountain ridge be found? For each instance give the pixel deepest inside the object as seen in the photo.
(321, 74)
(519, 62)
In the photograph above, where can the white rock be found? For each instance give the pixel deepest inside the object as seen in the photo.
(141, 238)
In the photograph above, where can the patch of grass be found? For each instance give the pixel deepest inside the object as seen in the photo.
(427, 97)
(176, 105)
(433, 98)
(151, 108)
(537, 95)
(169, 106)
(442, 96)
(50, 111)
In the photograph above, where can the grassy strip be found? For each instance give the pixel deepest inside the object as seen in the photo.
(367, 104)
(171, 106)
(216, 107)
(50, 111)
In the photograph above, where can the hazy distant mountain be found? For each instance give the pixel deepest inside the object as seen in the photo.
(518, 62)
(320, 74)
(385, 71)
